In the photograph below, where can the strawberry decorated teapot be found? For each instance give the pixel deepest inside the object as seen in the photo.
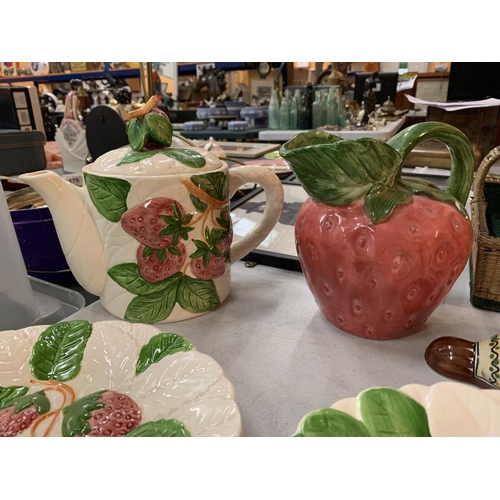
(379, 251)
(150, 231)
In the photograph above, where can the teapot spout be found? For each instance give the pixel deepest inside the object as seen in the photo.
(75, 228)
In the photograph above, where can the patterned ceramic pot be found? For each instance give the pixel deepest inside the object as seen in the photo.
(378, 251)
(150, 232)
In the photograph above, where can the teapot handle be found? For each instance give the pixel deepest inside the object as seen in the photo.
(462, 155)
(274, 204)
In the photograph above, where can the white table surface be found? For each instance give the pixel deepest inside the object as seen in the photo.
(285, 359)
(383, 133)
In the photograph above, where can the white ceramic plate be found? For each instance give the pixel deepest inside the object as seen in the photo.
(445, 409)
(110, 377)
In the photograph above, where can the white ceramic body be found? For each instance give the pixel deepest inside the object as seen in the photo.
(93, 245)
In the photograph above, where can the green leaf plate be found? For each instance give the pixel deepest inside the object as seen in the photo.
(77, 378)
(445, 409)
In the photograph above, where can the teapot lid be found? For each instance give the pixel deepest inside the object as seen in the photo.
(150, 152)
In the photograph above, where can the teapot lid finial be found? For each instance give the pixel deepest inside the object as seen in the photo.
(148, 124)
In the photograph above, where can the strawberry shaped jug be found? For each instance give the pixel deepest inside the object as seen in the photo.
(150, 232)
(379, 251)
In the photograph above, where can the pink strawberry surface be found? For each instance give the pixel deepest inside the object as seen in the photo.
(120, 415)
(216, 266)
(144, 221)
(12, 424)
(381, 281)
(153, 270)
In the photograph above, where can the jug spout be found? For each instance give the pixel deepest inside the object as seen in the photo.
(75, 228)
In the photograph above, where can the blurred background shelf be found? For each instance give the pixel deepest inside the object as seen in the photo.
(66, 77)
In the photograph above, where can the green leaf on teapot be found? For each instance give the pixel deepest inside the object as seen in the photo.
(160, 428)
(424, 188)
(137, 131)
(338, 172)
(156, 306)
(382, 200)
(108, 194)
(215, 184)
(197, 295)
(188, 157)
(198, 204)
(329, 422)
(128, 276)
(58, 352)
(159, 346)
(159, 128)
(135, 156)
(388, 412)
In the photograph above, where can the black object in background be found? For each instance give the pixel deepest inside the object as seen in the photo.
(386, 85)
(104, 130)
(471, 81)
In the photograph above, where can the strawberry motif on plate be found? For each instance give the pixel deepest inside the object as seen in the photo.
(18, 413)
(101, 414)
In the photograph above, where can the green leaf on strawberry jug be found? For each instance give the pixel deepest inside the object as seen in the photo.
(137, 131)
(228, 255)
(381, 200)
(215, 184)
(331, 423)
(337, 172)
(187, 157)
(10, 394)
(128, 276)
(108, 194)
(424, 188)
(388, 412)
(58, 352)
(135, 156)
(197, 295)
(156, 306)
(76, 415)
(198, 204)
(37, 399)
(160, 428)
(160, 129)
(159, 346)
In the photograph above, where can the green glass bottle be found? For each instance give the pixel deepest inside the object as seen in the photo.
(294, 114)
(342, 113)
(329, 111)
(322, 102)
(274, 111)
(317, 112)
(285, 111)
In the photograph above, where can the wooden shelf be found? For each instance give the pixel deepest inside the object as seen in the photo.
(66, 77)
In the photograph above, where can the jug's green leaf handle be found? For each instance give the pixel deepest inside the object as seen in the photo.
(462, 156)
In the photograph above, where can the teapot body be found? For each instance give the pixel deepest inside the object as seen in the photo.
(166, 242)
